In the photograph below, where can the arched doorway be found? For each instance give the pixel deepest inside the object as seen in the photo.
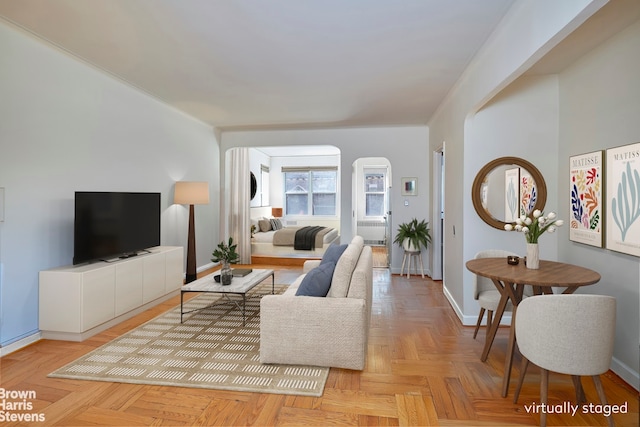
(371, 216)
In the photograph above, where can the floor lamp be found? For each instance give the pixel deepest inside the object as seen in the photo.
(191, 193)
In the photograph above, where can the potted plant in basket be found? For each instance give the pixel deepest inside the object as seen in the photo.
(413, 235)
(226, 254)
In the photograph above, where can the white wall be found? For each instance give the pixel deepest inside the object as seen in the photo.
(66, 127)
(405, 147)
(522, 121)
(605, 116)
(256, 160)
(595, 104)
(528, 31)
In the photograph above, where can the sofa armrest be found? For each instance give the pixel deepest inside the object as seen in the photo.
(310, 264)
(313, 331)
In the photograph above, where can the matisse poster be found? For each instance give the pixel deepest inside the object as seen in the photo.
(585, 188)
(623, 199)
(528, 192)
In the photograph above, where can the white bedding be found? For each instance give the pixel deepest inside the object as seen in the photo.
(267, 236)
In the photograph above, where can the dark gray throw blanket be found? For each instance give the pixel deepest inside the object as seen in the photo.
(306, 237)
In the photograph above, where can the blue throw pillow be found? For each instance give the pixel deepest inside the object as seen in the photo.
(317, 281)
(333, 252)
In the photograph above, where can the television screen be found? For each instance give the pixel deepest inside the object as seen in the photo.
(110, 225)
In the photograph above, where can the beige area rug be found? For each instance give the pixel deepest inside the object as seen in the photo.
(210, 349)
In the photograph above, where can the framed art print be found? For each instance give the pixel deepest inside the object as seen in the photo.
(623, 199)
(511, 194)
(528, 192)
(585, 195)
(409, 186)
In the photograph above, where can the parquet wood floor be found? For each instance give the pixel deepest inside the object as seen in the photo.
(423, 368)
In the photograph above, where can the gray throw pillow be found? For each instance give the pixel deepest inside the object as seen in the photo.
(265, 225)
(333, 252)
(317, 281)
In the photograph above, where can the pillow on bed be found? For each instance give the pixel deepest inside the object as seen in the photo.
(317, 281)
(333, 252)
(276, 224)
(265, 225)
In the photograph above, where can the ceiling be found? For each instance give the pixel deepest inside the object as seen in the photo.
(247, 64)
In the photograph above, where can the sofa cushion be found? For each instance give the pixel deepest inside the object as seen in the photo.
(344, 268)
(316, 283)
(333, 253)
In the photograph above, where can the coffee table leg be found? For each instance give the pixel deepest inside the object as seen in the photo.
(244, 305)
(181, 299)
(273, 283)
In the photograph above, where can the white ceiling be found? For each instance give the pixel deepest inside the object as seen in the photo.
(278, 63)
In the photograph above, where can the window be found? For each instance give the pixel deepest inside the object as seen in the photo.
(310, 191)
(374, 191)
(264, 185)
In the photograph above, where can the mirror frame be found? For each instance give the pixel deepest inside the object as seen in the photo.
(486, 170)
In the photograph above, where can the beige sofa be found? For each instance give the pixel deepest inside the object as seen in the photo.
(327, 331)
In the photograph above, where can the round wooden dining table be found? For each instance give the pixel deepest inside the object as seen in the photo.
(510, 281)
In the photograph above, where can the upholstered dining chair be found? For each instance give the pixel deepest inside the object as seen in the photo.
(485, 291)
(568, 334)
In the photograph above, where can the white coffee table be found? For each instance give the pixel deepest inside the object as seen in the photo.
(238, 286)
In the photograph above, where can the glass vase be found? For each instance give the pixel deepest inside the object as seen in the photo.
(533, 256)
(226, 274)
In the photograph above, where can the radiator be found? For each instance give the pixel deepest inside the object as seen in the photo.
(373, 232)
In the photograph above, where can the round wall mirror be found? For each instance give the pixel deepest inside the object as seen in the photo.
(507, 188)
(254, 185)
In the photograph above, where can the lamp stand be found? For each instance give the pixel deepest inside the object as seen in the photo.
(191, 248)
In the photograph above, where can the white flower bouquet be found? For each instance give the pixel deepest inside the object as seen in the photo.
(535, 225)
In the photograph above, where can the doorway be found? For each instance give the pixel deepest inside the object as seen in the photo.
(438, 213)
(371, 216)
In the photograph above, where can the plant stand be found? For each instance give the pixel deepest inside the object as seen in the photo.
(407, 258)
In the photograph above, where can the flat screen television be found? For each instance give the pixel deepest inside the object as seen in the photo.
(110, 225)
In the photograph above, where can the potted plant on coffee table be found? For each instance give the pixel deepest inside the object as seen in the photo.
(413, 235)
(226, 254)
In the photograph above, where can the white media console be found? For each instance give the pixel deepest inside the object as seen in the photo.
(77, 302)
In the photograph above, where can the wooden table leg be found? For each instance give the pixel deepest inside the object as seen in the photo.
(508, 361)
(515, 294)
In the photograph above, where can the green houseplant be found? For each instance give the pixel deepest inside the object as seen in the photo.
(226, 254)
(413, 235)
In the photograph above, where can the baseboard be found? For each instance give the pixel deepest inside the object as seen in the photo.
(206, 267)
(627, 374)
(20, 344)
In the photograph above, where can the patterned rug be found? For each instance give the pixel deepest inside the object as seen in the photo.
(210, 349)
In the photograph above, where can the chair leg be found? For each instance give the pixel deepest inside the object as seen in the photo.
(580, 397)
(480, 316)
(544, 388)
(602, 396)
(523, 370)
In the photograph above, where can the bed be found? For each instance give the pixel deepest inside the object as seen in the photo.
(296, 240)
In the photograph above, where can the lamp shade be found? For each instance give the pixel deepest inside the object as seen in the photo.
(191, 193)
(276, 212)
